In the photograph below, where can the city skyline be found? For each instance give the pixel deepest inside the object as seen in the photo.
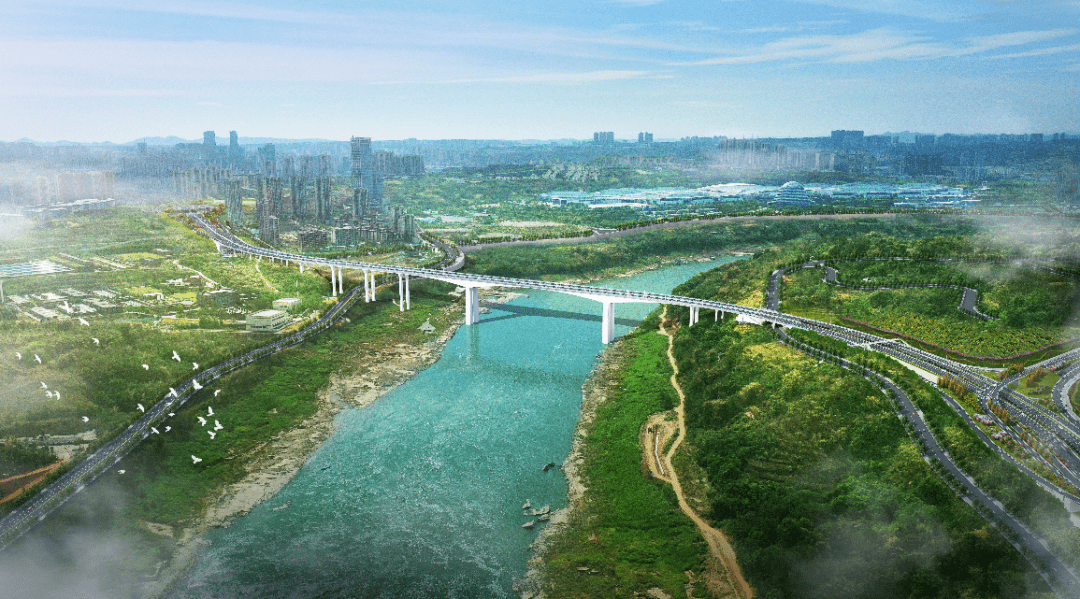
(114, 70)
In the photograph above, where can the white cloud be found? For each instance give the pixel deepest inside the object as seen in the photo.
(567, 78)
(878, 44)
(1041, 52)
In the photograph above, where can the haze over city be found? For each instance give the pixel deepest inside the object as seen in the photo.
(119, 70)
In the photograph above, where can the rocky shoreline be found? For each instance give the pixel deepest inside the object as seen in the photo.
(593, 393)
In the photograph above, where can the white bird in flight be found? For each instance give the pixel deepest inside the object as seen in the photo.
(194, 365)
(168, 428)
(146, 367)
(36, 357)
(142, 409)
(202, 421)
(209, 411)
(85, 419)
(195, 459)
(83, 322)
(217, 392)
(171, 414)
(48, 394)
(173, 392)
(56, 394)
(175, 355)
(121, 471)
(154, 430)
(18, 355)
(196, 385)
(96, 341)
(217, 425)
(43, 385)
(211, 433)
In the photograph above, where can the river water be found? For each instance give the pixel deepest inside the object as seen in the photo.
(420, 494)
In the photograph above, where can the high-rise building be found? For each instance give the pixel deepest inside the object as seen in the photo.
(604, 137)
(234, 150)
(363, 172)
(322, 189)
(268, 160)
(234, 207)
(644, 138)
(208, 139)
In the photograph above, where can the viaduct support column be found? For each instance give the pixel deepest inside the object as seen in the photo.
(333, 282)
(301, 268)
(408, 295)
(607, 332)
(340, 280)
(401, 293)
(472, 305)
(367, 290)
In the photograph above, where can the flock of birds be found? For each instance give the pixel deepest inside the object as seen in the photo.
(54, 394)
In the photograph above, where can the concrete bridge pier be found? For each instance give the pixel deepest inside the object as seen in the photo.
(472, 305)
(340, 280)
(333, 282)
(694, 314)
(371, 284)
(403, 292)
(607, 328)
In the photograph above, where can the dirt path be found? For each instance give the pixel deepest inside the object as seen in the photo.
(265, 280)
(728, 579)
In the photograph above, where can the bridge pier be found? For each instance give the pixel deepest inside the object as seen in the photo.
(408, 295)
(607, 327)
(340, 280)
(472, 305)
(694, 314)
(333, 282)
(403, 292)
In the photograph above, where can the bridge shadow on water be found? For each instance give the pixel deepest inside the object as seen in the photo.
(518, 311)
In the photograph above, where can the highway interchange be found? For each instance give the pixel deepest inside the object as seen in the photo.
(1062, 433)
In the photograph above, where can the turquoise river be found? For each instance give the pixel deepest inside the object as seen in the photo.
(420, 494)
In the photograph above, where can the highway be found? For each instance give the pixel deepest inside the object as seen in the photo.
(1064, 432)
(1061, 578)
(1054, 571)
(52, 497)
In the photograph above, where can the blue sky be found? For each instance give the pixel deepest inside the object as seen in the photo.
(117, 70)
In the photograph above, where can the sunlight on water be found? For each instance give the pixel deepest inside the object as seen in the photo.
(424, 491)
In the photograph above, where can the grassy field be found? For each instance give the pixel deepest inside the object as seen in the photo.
(816, 480)
(629, 535)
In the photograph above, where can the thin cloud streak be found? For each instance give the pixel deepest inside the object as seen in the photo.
(879, 44)
(568, 78)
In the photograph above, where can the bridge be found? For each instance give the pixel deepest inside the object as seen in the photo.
(1060, 432)
(472, 283)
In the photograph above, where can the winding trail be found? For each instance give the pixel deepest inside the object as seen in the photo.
(664, 469)
(265, 280)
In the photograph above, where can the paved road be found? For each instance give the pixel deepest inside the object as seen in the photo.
(1060, 392)
(968, 298)
(1061, 578)
(52, 497)
(1057, 574)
